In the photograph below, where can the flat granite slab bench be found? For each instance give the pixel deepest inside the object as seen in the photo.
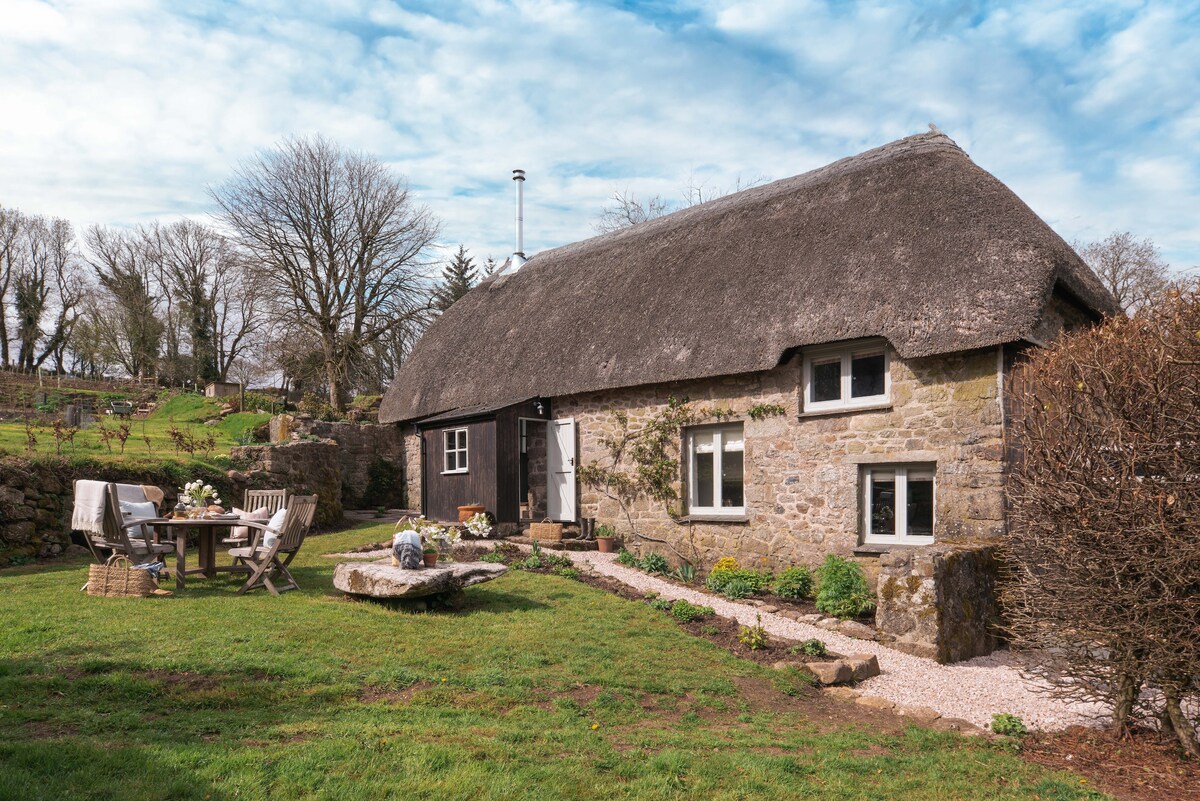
(381, 581)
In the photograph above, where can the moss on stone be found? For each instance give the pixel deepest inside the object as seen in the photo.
(890, 589)
(913, 583)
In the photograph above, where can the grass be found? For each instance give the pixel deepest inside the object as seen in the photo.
(538, 687)
(186, 411)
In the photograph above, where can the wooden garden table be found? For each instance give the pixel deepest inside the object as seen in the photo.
(206, 544)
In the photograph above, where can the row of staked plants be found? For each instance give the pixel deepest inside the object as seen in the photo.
(838, 587)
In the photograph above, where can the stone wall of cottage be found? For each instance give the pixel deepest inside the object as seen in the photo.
(802, 473)
(412, 469)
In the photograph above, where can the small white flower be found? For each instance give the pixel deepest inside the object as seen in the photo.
(208, 488)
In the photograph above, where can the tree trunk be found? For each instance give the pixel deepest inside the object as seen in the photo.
(1127, 693)
(335, 388)
(1185, 732)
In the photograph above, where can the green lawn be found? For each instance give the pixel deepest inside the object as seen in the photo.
(538, 687)
(187, 412)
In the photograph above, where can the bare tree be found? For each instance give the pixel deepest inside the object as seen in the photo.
(1133, 270)
(1104, 591)
(628, 209)
(12, 223)
(338, 244)
(124, 312)
(210, 300)
(47, 287)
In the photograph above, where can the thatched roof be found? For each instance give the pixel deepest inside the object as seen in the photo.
(910, 241)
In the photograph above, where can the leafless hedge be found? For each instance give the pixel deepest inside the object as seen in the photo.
(1105, 544)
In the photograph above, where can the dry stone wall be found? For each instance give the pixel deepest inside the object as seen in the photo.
(802, 473)
(370, 457)
(36, 498)
(940, 601)
(306, 467)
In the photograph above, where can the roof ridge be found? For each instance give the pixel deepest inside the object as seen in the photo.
(922, 142)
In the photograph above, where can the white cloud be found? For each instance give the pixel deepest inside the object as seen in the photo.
(124, 111)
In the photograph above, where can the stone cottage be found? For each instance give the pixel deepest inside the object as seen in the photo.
(843, 337)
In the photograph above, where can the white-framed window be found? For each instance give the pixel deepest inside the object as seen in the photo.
(847, 377)
(454, 446)
(898, 504)
(716, 470)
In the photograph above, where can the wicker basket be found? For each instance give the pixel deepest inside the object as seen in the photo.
(118, 579)
(546, 531)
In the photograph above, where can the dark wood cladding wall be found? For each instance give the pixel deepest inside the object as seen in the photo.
(508, 458)
(445, 493)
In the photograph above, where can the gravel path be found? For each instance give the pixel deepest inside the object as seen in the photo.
(972, 690)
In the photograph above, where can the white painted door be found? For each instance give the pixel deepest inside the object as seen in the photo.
(560, 492)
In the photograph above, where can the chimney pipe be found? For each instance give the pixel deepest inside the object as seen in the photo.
(518, 256)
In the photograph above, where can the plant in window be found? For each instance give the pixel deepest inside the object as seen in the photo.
(842, 589)
(794, 582)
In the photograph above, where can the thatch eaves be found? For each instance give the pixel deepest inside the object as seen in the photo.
(911, 242)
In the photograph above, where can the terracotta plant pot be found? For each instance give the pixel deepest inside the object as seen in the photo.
(605, 544)
(465, 513)
(431, 559)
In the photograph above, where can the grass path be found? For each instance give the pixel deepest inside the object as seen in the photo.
(538, 687)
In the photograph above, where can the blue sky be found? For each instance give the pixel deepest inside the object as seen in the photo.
(121, 111)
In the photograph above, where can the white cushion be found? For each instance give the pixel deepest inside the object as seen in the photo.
(132, 510)
(138, 511)
(276, 522)
(257, 516)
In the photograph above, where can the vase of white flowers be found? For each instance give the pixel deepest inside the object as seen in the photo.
(199, 495)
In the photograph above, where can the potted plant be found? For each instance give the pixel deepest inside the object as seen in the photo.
(465, 513)
(430, 554)
(606, 535)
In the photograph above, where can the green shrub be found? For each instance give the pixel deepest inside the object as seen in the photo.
(686, 573)
(736, 588)
(1008, 725)
(567, 572)
(661, 604)
(794, 582)
(753, 637)
(809, 648)
(654, 563)
(626, 558)
(687, 612)
(555, 560)
(710, 630)
(842, 589)
(495, 557)
(757, 581)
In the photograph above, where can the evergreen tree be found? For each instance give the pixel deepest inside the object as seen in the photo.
(457, 279)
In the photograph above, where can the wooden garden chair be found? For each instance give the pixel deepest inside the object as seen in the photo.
(113, 534)
(264, 563)
(271, 500)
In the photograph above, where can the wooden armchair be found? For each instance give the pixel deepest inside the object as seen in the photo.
(271, 500)
(264, 562)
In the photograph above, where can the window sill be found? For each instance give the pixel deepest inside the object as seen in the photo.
(877, 548)
(454, 472)
(734, 519)
(871, 407)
